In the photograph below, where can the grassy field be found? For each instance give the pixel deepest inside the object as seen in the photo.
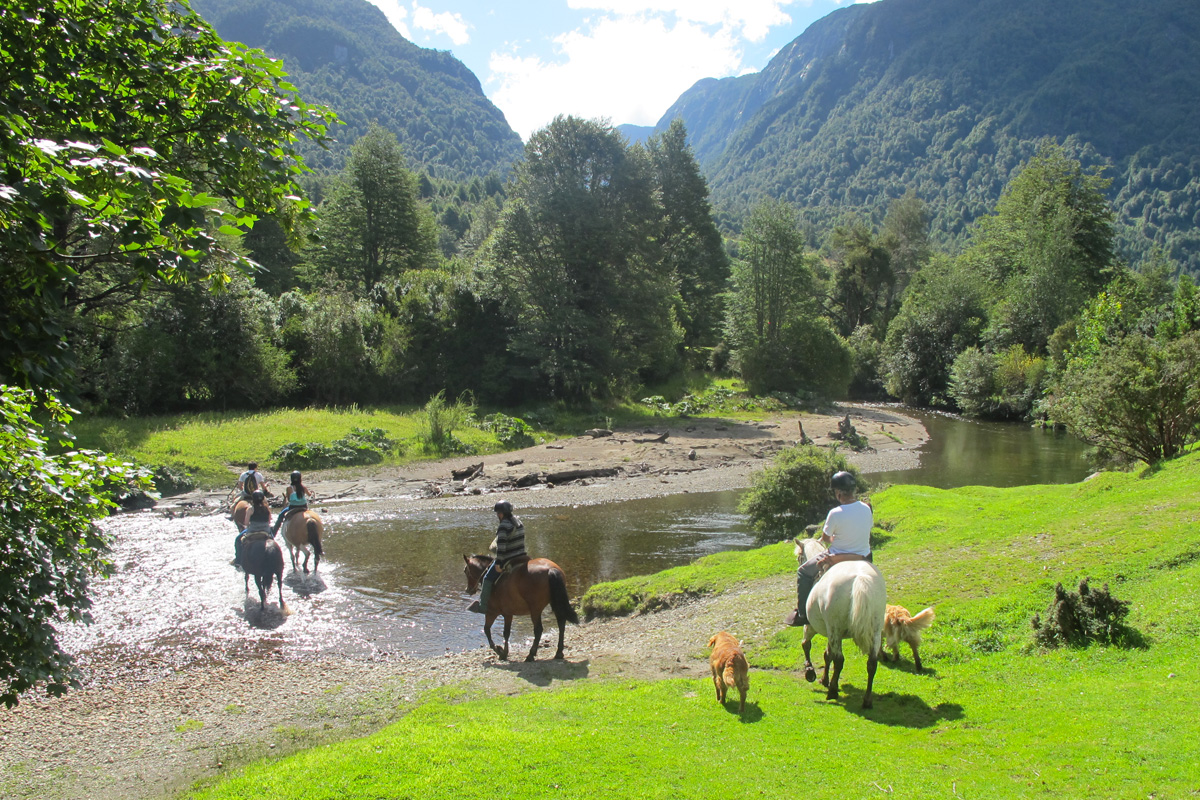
(213, 447)
(993, 717)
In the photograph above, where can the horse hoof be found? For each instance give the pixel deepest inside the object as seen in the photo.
(810, 674)
(831, 694)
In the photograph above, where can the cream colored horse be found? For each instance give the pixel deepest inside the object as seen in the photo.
(848, 602)
(302, 530)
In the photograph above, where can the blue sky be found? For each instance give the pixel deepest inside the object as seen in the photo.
(622, 60)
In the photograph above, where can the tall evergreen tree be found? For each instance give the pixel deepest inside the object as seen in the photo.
(692, 246)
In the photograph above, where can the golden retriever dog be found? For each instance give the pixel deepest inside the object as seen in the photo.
(729, 667)
(899, 626)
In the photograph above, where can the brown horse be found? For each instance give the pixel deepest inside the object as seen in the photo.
(241, 514)
(300, 530)
(262, 558)
(523, 589)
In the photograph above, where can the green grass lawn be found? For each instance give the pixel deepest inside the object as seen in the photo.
(993, 717)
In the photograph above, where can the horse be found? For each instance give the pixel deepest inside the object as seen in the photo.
(848, 602)
(240, 514)
(262, 558)
(301, 529)
(523, 589)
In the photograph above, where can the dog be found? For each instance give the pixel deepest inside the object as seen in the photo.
(899, 626)
(729, 667)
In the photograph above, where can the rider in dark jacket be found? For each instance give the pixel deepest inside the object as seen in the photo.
(509, 551)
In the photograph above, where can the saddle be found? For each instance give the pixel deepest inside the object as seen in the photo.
(256, 536)
(830, 560)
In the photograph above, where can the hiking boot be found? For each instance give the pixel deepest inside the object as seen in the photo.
(475, 607)
(796, 618)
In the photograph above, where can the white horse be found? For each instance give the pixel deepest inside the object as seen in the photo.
(848, 602)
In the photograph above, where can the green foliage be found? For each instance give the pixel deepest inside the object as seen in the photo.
(360, 446)
(375, 226)
(1087, 615)
(577, 259)
(513, 432)
(439, 421)
(793, 492)
(1002, 386)
(1139, 396)
(133, 139)
(346, 55)
(50, 500)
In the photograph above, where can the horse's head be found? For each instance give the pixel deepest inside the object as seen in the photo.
(474, 569)
(807, 548)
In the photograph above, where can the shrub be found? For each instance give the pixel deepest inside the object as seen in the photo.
(793, 492)
(513, 432)
(439, 421)
(360, 446)
(1086, 615)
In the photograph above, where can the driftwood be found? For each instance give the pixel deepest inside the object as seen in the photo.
(467, 473)
(530, 479)
(597, 433)
(660, 438)
(575, 474)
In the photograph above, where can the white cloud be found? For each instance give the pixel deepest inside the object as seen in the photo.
(751, 19)
(396, 14)
(450, 24)
(626, 68)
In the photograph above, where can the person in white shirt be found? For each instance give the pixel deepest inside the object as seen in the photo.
(847, 534)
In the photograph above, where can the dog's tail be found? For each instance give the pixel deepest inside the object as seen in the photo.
(921, 621)
(730, 680)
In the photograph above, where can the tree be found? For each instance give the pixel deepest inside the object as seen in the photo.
(375, 225)
(50, 548)
(575, 258)
(1047, 249)
(905, 236)
(130, 134)
(792, 492)
(691, 244)
(862, 282)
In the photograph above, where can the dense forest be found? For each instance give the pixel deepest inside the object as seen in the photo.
(344, 54)
(950, 98)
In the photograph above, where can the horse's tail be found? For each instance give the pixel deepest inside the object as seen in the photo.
(559, 601)
(314, 537)
(868, 607)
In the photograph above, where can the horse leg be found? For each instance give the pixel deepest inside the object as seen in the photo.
(825, 671)
(839, 659)
(489, 618)
(306, 561)
(537, 635)
(872, 665)
(810, 674)
(507, 630)
(562, 630)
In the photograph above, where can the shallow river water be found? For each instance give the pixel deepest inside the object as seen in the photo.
(394, 586)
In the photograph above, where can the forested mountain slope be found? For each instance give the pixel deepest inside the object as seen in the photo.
(950, 96)
(346, 55)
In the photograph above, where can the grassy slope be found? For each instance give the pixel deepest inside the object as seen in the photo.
(992, 717)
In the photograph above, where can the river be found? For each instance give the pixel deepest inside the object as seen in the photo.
(394, 586)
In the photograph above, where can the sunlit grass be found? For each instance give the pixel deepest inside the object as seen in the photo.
(992, 717)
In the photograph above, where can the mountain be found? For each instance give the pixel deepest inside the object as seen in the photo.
(949, 97)
(636, 133)
(346, 55)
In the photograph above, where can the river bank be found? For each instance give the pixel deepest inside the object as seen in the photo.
(153, 731)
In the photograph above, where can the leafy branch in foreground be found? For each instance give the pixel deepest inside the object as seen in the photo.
(51, 547)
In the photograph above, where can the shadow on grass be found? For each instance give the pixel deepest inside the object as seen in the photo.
(895, 709)
(544, 672)
(752, 713)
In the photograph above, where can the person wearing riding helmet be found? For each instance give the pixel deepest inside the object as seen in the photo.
(297, 501)
(509, 546)
(259, 522)
(847, 534)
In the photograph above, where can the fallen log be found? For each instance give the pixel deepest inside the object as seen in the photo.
(597, 433)
(466, 473)
(662, 437)
(566, 476)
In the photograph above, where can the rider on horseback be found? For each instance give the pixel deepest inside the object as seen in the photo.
(508, 549)
(258, 524)
(847, 533)
(249, 481)
(297, 501)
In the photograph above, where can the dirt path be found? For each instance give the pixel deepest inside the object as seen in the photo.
(155, 733)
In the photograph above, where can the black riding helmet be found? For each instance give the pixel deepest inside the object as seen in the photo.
(258, 496)
(295, 477)
(503, 507)
(843, 482)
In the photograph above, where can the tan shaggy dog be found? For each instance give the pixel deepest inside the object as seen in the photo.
(899, 626)
(729, 667)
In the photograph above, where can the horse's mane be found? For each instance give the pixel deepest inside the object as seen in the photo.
(483, 557)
